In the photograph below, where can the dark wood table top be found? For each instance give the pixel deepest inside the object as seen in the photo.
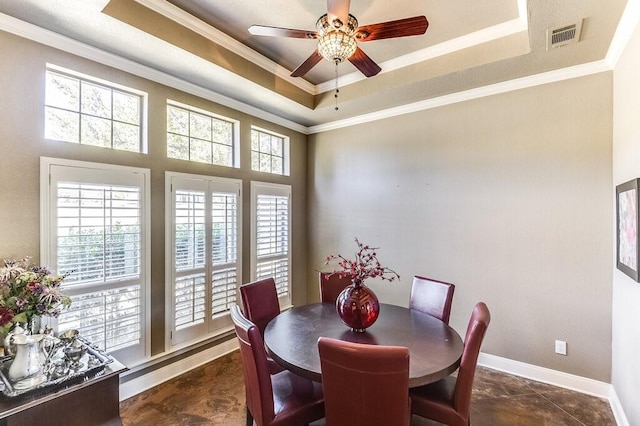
(435, 348)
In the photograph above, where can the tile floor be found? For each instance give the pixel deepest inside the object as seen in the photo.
(213, 394)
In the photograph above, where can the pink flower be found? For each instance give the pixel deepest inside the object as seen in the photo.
(365, 265)
(6, 315)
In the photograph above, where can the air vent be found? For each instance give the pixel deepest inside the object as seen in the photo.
(564, 35)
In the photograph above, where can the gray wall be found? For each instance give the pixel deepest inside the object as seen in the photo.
(509, 197)
(626, 292)
(22, 144)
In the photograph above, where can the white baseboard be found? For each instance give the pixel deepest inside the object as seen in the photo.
(616, 407)
(558, 378)
(156, 377)
(529, 371)
(546, 375)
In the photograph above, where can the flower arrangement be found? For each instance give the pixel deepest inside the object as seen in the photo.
(26, 291)
(366, 265)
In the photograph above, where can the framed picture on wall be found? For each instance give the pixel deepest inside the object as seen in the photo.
(627, 228)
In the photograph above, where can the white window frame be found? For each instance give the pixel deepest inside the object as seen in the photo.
(113, 174)
(235, 148)
(144, 101)
(286, 163)
(273, 189)
(222, 323)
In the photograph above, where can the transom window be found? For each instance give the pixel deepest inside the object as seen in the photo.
(269, 152)
(88, 111)
(201, 136)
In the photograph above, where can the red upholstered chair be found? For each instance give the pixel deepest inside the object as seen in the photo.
(448, 401)
(260, 305)
(364, 384)
(432, 297)
(279, 399)
(260, 302)
(331, 285)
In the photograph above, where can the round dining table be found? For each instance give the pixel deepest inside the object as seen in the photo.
(435, 348)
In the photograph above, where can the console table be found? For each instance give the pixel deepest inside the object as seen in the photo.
(82, 402)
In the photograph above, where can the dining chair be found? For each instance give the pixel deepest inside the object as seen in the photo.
(432, 297)
(260, 305)
(448, 401)
(364, 384)
(331, 285)
(276, 400)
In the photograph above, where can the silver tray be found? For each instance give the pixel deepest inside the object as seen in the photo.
(91, 364)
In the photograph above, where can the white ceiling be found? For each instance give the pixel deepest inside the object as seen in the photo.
(468, 44)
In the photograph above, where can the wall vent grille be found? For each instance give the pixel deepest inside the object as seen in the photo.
(561, 36)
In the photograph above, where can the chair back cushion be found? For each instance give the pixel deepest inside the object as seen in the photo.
(260, 302)
(476, 330)
(364, 384)
(432, 297)
(331, 285)
(257, 379)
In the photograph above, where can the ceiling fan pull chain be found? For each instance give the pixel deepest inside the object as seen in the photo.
(337, 90)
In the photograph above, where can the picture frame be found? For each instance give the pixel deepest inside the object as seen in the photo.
(627, 235)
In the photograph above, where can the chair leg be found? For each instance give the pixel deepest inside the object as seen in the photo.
(249, 418)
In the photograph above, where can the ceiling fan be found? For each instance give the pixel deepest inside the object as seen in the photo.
(338, 33)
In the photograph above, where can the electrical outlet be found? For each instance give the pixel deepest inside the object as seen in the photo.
(561, 347)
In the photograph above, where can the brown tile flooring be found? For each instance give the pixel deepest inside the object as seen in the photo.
(213, 394)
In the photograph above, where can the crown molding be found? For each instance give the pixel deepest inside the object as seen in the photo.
(624, 31)
(466, 41)
(66, 44)
(479, 92)
(189, 21)
(629, 21)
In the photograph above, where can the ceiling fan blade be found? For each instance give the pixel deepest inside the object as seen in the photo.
(338, 9)
(364, 63)
(306, 66)
(261, 30)
(401, 28)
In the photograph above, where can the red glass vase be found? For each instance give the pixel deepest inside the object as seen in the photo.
(357, 306)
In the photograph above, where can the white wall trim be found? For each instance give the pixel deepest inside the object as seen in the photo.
(541, 374)
(616, 407)
(546, 375)
(49, 38)
(66, 44)
(560, 379)
(485, 35)
(187, 20)
(479, 92)
(624, 31)
(140, 384)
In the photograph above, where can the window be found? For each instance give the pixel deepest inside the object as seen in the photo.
(269, 152)
(89, 111)
(203, 254)
(271, 236)
(197, 135)
(94, 226)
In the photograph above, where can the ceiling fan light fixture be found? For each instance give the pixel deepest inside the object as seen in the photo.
(325, 27)
(336, 46)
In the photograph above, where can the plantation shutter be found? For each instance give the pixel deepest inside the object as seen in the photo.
(272, 236)
(97, 236)
(190, 258)
(224, 248)
(204, 256)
